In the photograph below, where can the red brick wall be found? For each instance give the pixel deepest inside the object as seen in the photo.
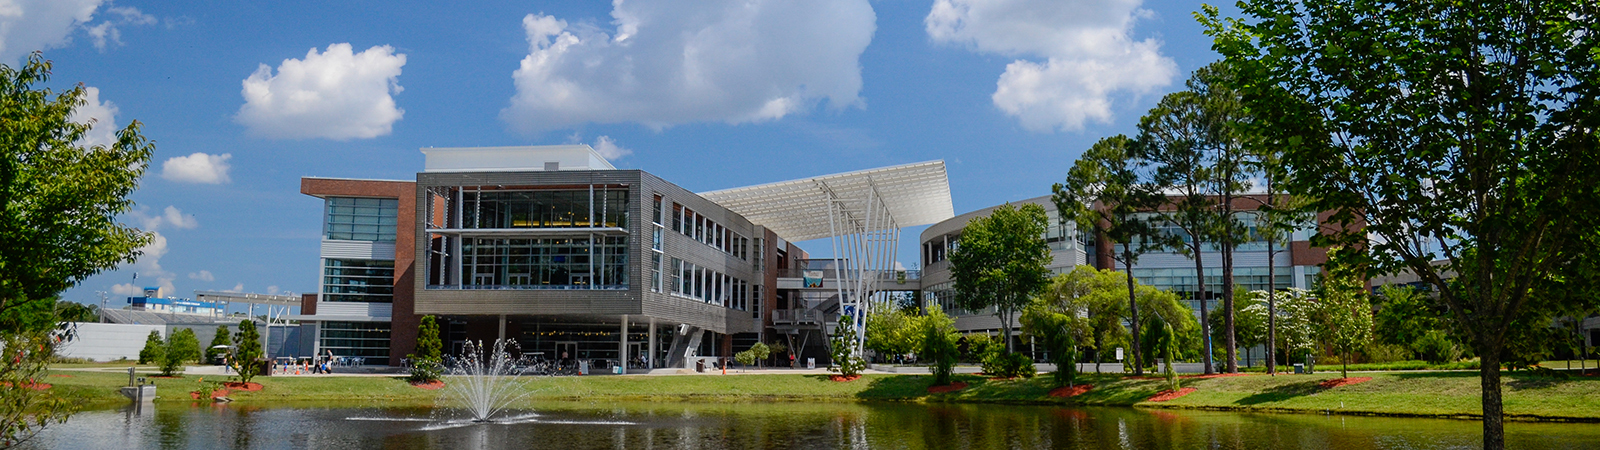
(403, 328)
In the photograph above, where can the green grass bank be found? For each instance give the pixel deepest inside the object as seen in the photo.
(1416, 394)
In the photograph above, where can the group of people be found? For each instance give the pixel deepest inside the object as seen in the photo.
(317, 365)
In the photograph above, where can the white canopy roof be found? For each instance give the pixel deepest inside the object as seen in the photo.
(798, 210)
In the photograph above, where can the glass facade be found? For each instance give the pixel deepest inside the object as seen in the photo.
(548, 263)
(368, 339)
(545, 209)
(1182, 281)
(361, 219)
(357, 280)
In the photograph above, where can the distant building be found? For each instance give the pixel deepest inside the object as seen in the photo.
(153, 301)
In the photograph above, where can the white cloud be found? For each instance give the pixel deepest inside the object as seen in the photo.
(171, 216)
(1087, 55)
(236, 288)
(107, 34)
(148, 266)
(666, 63)
(99, 115)
(197, 168)
(608, 148)
(272, 290)
(204, 275)
(337, 94)
(30, 25)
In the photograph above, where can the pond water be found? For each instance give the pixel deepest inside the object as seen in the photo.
(577, 425)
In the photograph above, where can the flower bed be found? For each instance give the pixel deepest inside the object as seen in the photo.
(1064, 391)
(1171, 395)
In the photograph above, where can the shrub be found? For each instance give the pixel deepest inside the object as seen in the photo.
(1009, 365)
(1436, 347)
(427, 363)
(218, 347)
(976, 347)
(182, 347)
(155, 349)
(939, 345)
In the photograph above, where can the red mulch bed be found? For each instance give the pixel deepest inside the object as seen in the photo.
(237, 386)
(952, 387)
(842, 378)
(1170, 395)
(432, 385)
(1064, 392)
(1336, 382)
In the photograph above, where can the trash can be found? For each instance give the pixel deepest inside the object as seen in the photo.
(700, 365)
(1299, 368)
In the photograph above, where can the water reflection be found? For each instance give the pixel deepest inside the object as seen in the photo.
(774, 425)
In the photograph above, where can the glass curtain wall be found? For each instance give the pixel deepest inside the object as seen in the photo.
(548, 263)
(545, 209)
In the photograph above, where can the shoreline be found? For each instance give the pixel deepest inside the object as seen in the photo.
(1439, 395)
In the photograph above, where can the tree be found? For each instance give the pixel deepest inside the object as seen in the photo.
(844, 359)
(1169, 346)
(1173, 136)
(1103, 192)
(939, 344)
(1456, 131)
(1166, 310)
(219, 344)
(1250, 322)
(155, 349)
(1001, 262)
(753, 355)
(60, 199)
(1344, 315)
(892, 331)
(1296, 314)
(1057, 326)
(76, 312)
(427, 364)
(247, 351)
(181, 347)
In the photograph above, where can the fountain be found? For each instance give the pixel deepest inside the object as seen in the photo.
(486, 383)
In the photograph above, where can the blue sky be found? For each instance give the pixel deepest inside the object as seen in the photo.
(707, 94)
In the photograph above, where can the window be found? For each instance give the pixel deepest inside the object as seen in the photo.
(357, 280)
(361, 219)
(677, 217)
(368, 339)
(549, 263)
(655, 272)
(655, 239)
(675, 276)
(656, 217)
(545, 208)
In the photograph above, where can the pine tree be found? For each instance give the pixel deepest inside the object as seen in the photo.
(155, 349)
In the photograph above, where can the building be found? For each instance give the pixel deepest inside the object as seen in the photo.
(154, 302)
(1296, 262)
(574, 259)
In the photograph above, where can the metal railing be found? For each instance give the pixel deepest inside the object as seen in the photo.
(529, 287)
(796, 316)
(882, 275)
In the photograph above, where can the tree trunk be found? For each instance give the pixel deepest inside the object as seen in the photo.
(1227, 307)
(1200, 294)
(1133, 309)
(1272, 311)
(1494, 431)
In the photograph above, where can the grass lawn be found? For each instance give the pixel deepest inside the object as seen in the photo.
(1438, 394)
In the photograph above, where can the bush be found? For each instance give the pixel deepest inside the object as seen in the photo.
(155, 349)
(182, 347)
(427, 363)
(1436, 347)
(939, 348)
(976, 347)
(1009, 365)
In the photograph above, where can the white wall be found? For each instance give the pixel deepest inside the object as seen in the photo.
(109, 341)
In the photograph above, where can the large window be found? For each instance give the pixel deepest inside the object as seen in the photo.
(357, 280)
(369, 339)
(545, 209)
(551, 263)
(361, 219)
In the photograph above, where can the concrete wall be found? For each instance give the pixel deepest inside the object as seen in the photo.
(109, 341)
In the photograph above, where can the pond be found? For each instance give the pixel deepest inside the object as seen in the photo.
(570, 425)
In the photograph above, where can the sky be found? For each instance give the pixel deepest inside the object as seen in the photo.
(242, 99)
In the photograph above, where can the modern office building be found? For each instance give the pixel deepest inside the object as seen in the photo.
(1295, 261)
(572, 258)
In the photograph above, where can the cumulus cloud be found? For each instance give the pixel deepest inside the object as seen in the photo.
(609, 149)
(171, 216)
(664, 63)
(1073, 56)
(337, 94)
(272, 290)
(197, 168)
(99, 115)
(204, 275)
(236, 288)
(149, 266)
(107, 34)
(30, 25)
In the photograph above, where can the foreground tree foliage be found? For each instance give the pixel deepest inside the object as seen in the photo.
(247, 351)
(1460, 131)
(1103, 192)
(1001, 263)
(59, 201)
